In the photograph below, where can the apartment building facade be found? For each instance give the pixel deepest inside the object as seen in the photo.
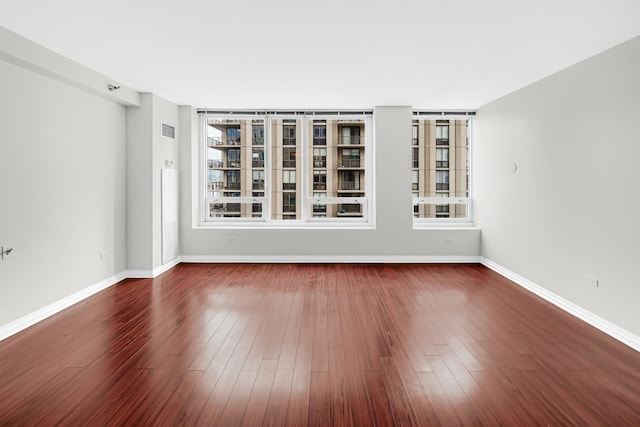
(440, 167)
(273, 166)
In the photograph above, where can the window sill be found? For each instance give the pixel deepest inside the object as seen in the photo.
(295, 225)
(448, 225)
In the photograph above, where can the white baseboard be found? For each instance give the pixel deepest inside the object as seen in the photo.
(594, 320)
(32, 318)
(150, 274)
(324, 259)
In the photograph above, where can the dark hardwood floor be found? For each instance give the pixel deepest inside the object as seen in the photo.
(320, 345)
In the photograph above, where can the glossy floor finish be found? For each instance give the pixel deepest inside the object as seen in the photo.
(320, 345)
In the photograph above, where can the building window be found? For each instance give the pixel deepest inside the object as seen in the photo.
(258, 180)
(257, 158)
(319, 157)
(258, 134)
(287, 168)
(442, 157)
(442, 180)
(288, 202)
(350, 135)
(350, 158)
(319, 134)
(442, 135)
(288, 180)
(289, 157)
(320, 180)
(288, 135)
(440, 170)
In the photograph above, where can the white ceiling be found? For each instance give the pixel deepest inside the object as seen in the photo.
(325, 54)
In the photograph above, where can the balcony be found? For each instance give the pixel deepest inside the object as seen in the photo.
(350, 140)
(317, 186)
(350, 210)
(442, 185)
(320, 163)
(349, 185)
(349, 163)
(215, 164)
(442, 163)
(289, 209)
(215, 186)
(442, 141)
(224, 207)
(217, 141)
(258, 164)
(232, 186)
(288, 163)
(288, 185)
(221, 164)
(319, 208)
(258, 185)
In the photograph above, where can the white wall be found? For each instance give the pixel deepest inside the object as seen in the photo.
(62, 190)
(572, 207)
(393, 236)
(147, 153)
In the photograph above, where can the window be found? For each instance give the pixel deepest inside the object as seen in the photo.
(350, 135)
(440, 169)
(320, 180)
(350, 158)
(288, 202)
(442, 135)
(288, 135)
(319, 134)
(288, 180)
(258, 180)
(288, 157)
(319, 157)
(442, 157)
(307, 167)
(258, 134)
(442, 180)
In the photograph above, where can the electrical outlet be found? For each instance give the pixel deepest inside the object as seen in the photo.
(592, 281)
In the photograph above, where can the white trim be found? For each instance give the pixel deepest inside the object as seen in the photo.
(323, 259)
(32, 318)
(151, 274)
(594, 320)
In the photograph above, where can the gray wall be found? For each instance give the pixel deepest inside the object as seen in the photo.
(62, 190)
(392, 237)
(572, 207)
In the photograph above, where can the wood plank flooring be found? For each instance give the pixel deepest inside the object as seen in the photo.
(317, 345)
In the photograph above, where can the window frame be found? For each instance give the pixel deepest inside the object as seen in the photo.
(305, 199)
(438, 200)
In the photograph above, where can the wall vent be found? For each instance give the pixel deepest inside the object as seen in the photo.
(168, 131)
